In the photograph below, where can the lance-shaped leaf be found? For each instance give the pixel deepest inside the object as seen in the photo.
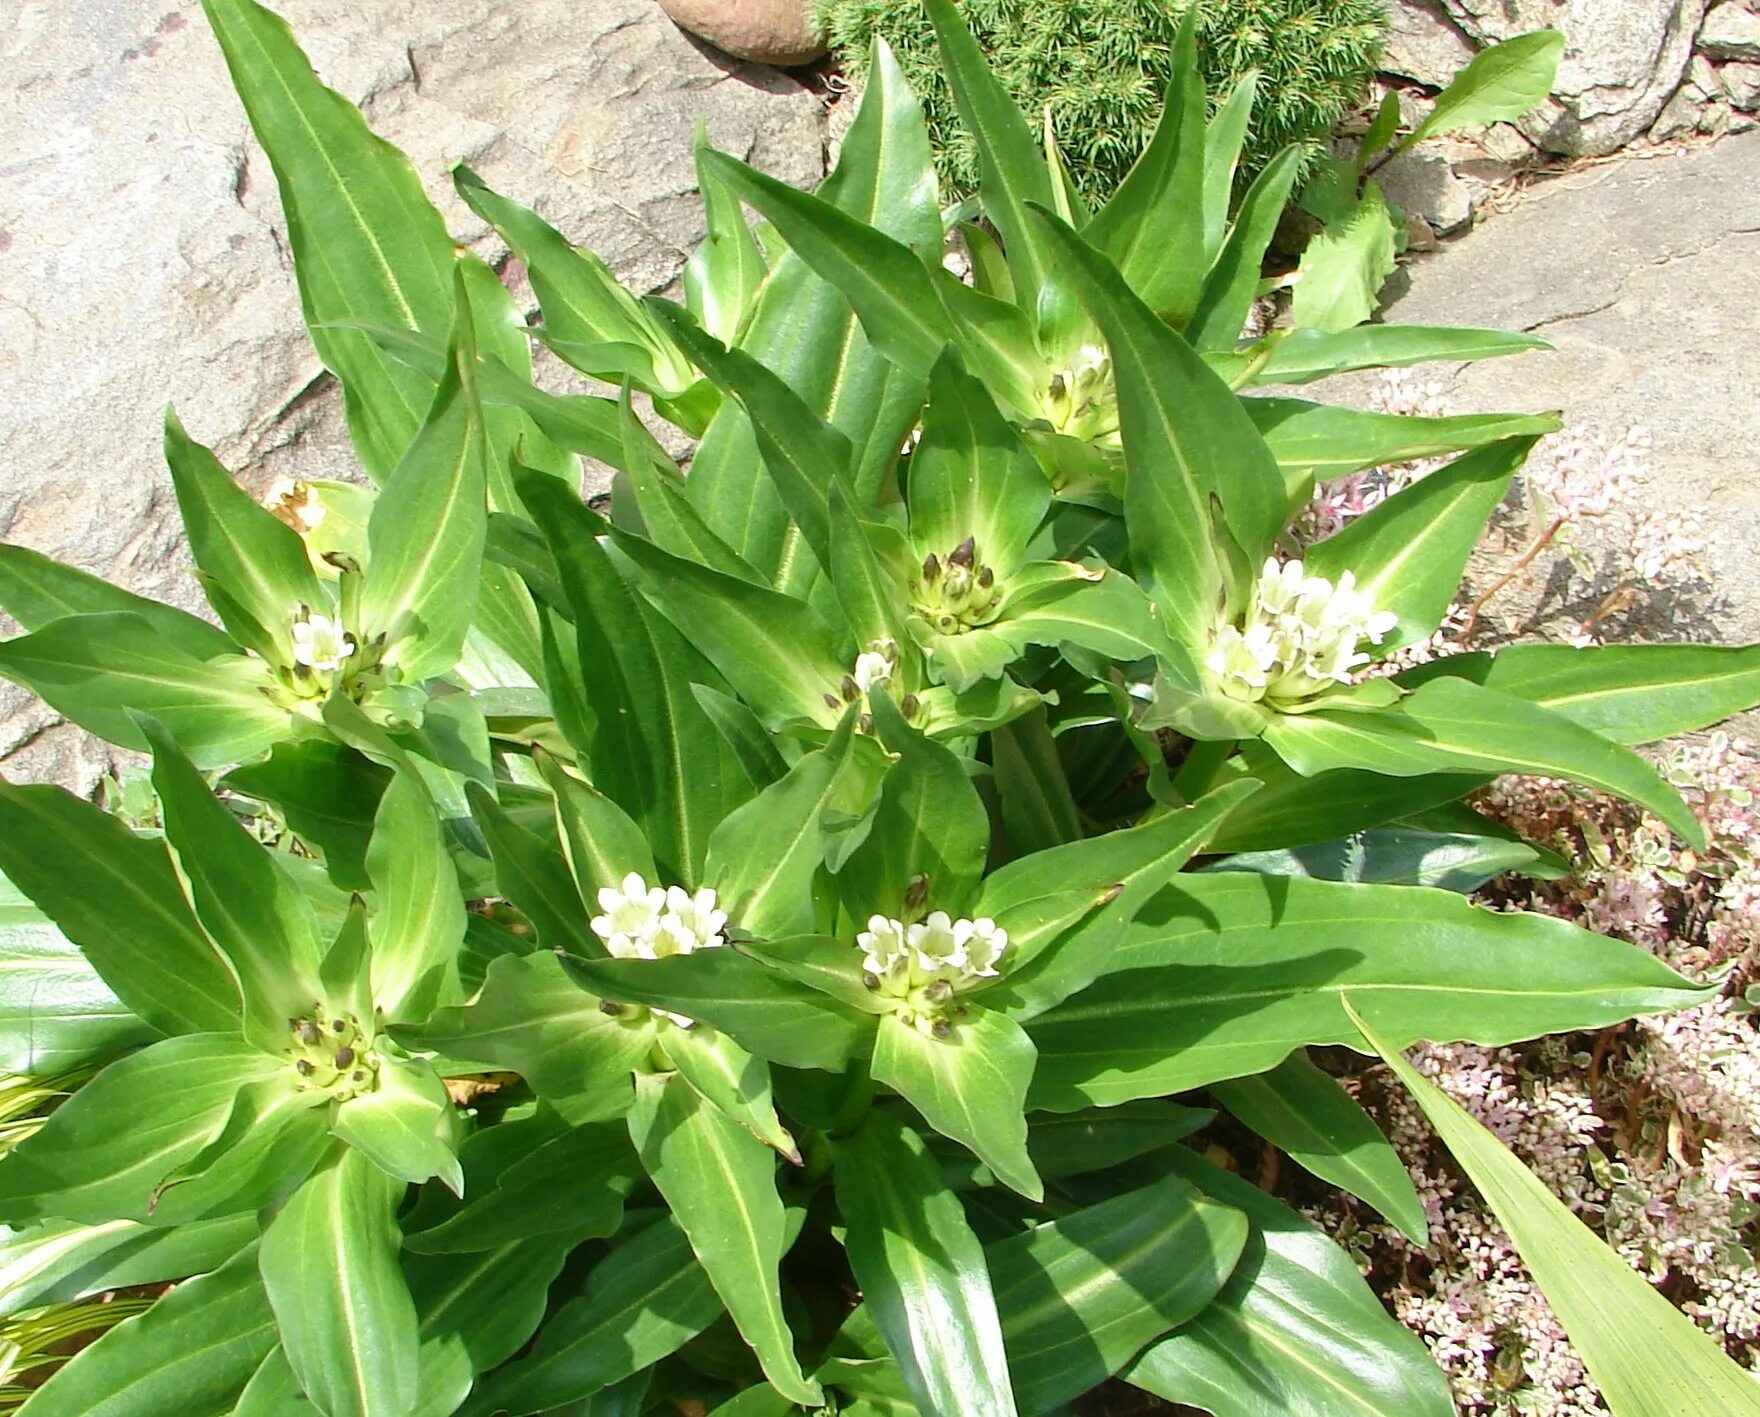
(765, 858)
(1294, 1333)
(1305, 1113)
(327, 793)
(602, 844)
(720, 1183)
(645, 1300)
(1038, 808)
(970, 1086)
(405, 1126)
(1404, 856)
(770, 1011)
(368, 249)
(1011, 172)
(192, 1352)
(1626, 693)
(652, 749)
(475, 1311)
(722, 276)
(1223, 975)
(419, 919)
(971, 476)
(736, 1083)
(1646, 1356)
(56, 1011)
(60, 1261)
(1224, 137)
(922, 1272)
(1192, 458)
(929, 825)
(1081, 1296)
(249, 906)
(1230, 285)
(1153, 226)
(1502, 82)
(533, 874)
(329, 1263)
(1345, 266)
(35, 590)
(1305, 355)
(425, 539)
(775, 650)
(531, 1018)
(1453, 725)
(105, 1149)
(117, 897)
(99, 669)
(255, 560)
(1321, 441)
(1408, 553)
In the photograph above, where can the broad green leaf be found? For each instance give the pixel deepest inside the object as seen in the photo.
(1502, 83)
(929, 825)
(533, 875)
(1192, 458)
(1648, 1358)
(776, 651)
(56, 1012)
(59, 1261)
(1074, 1143)
(922, 1272)
(971, 476)
(744, 733)
(1232, 282)
(249, 906)
(425, 538)
(602, 844)
(1038, 808)
(327, 793)
(98, 669)
(35, 590)
(767, 1010)
(106, 1148)
(256, 560)
(1081, 1296)
(1224, 137)
(653, 750)
(1223, 975)
(970, 1086)
(870, 567)
(1342, 271)
(1011, 173)
(117, 897)
(405, 1126)
(1409, 552)
(765, 857)
(329, 1263)
(1401, 856)
(572, 1183)
(1294, 1333)
(273, 1391)
(1453, 725)
(1628, 693)
(641, 1303)
(191, 1353)
(734, 1082)
(1305, 1113)
(722, 276)
(419, 919)
(1318, 442)
(487, 1303)
(1305, 355)
(531, 1018)
(720, 1183)
(1153, 226)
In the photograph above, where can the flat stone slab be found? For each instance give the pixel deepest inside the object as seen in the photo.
(1645, 274)
(140, 253)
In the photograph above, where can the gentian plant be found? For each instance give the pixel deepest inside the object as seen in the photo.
(764, 947)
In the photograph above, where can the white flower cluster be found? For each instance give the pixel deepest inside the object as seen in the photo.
(320, 643)
(655, 922)
(1301, 636)
(921, 967)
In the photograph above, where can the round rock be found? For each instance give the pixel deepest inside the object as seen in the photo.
(768, 31)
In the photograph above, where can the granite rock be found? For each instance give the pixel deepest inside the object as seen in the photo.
(771, 31)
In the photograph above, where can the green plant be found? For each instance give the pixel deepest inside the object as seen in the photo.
(773, 958)
(1099, 68)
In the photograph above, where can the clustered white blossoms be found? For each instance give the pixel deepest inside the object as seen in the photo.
(320, 643)
(1301, 636)
(919, 968)
(656, 922)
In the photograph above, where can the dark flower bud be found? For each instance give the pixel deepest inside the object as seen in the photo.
(607, 1007)
(963, 554)
(866, 723)
(344, 1059)
(1057, 386)
(931, 567)
(941, 1028)
(833, 702)
(986, 578)
(304, 1067)
(939, 992)
(851, 690)
(357, 1076)
(307, 1032)
(909, 705)
(339, 1025)
(916, 893)
(870, 980)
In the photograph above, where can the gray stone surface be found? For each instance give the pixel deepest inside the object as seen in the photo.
(141, 263)
(1423, 43)
(1645, 274)
(1623, 59)
(1421, 182)
(1731, 31)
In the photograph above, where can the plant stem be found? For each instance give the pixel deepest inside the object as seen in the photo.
(1523, 561)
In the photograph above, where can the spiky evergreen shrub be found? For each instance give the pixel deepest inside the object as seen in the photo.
(1102, 65)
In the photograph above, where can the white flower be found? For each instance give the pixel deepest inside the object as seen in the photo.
(1301, 635)
(320, 643)
(632, 910)
(919, 968)
(872, 669)
(654, 922)
(296, 504)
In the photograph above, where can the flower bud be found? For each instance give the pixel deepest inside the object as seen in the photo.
(931, 567)
(964, 554)
(344, 1059)
(610, 1009)
(942, 1027)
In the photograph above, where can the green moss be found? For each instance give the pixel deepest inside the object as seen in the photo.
(1101, 65)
